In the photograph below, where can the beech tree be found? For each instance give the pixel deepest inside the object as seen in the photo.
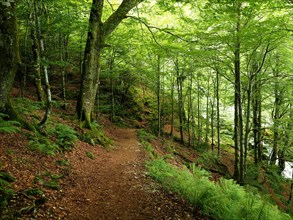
(96, 41)
(9, 52)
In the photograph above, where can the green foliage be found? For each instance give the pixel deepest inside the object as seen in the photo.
(5, 192)
(49, 180)
(27, 106)
(225, 200)
(274, 178)
(7, 177)
(63, 162)
(51, 184)
(96, 136)
(33, 192)
(90, 155)
(144, 135)
(43, 145)
(8, 126)
(145, 139)
(65, 135)
(208, 158)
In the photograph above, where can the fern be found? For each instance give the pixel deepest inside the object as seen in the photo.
(8, 126)
(225, 200)
(65, 135)
(5, 192)
(43, 145)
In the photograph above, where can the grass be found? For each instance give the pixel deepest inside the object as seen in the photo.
(223, 200)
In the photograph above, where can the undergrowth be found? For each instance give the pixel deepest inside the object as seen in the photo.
(43, 144)
(59, 138)
(5, 190)
(145, 138)
(223, 200)
(65, 136)
(96, 136)
(8, 126)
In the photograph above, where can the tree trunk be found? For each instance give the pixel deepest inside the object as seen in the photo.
(277, 117)
(179, 81)
(247, 120)
(189, 118)
(218, 111)
(159, 95)
(207, 113)
(9, 56)
(42, 56)
(172, 105)
(97, 34)
(212, 122)
(37, 66)
(198, 112)
(238, 121)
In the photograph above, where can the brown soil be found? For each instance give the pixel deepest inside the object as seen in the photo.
(113, 185)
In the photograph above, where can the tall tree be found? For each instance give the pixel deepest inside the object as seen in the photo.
(96, 41)
(9, 55)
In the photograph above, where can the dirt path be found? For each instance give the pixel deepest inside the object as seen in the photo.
(114, 186)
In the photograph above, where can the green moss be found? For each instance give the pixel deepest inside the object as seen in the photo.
(96, 136)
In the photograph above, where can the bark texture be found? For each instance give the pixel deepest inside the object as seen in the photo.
(9, 51)
(97, 35)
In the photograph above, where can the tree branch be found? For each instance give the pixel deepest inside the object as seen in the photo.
(114, 20)
(163, 30)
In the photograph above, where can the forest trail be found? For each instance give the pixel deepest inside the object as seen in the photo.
(114, 185)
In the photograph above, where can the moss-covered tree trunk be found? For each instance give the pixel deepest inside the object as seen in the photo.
(9, 51)
(97, 35)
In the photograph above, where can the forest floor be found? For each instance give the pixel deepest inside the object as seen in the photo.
(93, 182)
(109, 184)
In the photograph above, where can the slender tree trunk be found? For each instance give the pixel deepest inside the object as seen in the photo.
(207, 113)
(46, 75)
(179, 80)
(63, 47)
(256, 115)
(247, 122)
(37, 66)
(159, 95)
(238, 122)
(218, 111)
(163, 107)
(172, 105)
(212, 123)
(277, 117)
(189, 111)
(111, 67)
(198, 112)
